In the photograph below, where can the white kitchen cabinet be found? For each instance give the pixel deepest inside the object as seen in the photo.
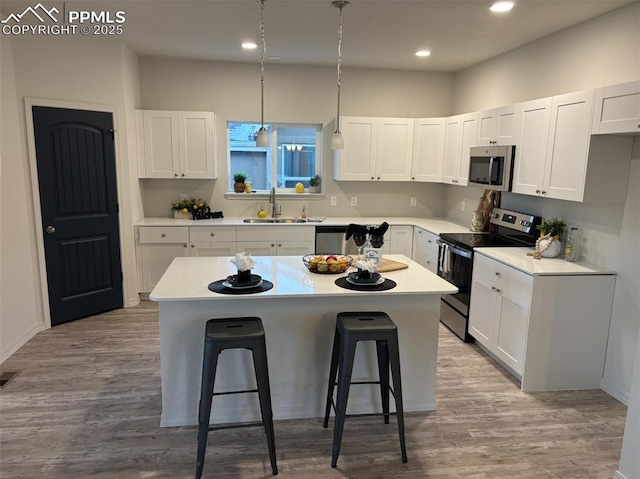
(212, 240)
(549, 330)
(558, 158)
(617, 109)
(401, 239)
(375, 149)
(428, 149)
(157, 247)
(499, 310)
(176, 144)
(497, 126)
(460, 135)
(282, 240)
(425, 249)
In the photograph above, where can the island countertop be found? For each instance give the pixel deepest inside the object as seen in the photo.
(188, 279)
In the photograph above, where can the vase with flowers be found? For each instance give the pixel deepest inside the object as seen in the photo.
(549, 244)
(186, 209)
(314, 184)
(239, 178)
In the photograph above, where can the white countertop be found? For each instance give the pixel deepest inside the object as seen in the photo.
(517, 257)
(434, 225)
(188, 279)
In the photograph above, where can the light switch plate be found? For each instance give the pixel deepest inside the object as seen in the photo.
(413, 201)
(334, 201)
(354, 201)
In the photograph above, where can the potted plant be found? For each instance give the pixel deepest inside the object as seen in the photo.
(239, 179)
(314, 184)
(185, 209)
(549, 244)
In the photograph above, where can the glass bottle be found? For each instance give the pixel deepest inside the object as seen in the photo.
(371, 253)
(572, 246)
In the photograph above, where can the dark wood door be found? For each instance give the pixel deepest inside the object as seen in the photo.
(78, 197)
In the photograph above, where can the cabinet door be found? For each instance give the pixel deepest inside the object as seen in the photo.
(394, 149)
(295, 248)
(497, 126)
(468, 138)
(533, 130)
(482, 315)
(213, 248)
(161, 147)
(196, 134)
(257, 248)
(512, 313)
(431, 260)
(451, 164)
(156, 258)
(401, 240)
(568, 146)
(617, 109)
(356, 162)
(428, 149)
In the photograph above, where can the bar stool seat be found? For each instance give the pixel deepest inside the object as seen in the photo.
(352, 327)
(232, 333)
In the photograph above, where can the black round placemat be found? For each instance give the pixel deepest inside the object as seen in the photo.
(343, 283)
(217, 287)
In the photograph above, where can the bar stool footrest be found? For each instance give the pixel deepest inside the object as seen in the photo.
(236, 426)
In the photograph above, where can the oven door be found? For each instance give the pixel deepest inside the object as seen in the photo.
(455, 265)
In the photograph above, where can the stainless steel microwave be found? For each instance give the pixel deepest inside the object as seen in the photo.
(491, 166)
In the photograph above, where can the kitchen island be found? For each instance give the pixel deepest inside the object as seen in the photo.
(298, 315)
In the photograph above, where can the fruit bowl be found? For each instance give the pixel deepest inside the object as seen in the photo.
(327, 263)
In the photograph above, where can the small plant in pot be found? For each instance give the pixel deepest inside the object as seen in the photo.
(549, 244)
(314, 184)
(239, 179)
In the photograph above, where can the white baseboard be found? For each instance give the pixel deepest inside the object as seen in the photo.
(619, 475)
(20, 341)
(622, 396)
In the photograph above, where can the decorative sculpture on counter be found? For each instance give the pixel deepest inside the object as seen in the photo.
(371, 237)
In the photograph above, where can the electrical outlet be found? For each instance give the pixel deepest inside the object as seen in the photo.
(183, 196)
(413, 201)
(463, 205)
(354, 201)
(334, 201)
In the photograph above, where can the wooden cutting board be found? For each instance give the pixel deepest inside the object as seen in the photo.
(387, 265)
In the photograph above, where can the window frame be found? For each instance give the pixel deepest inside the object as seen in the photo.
(274, 155)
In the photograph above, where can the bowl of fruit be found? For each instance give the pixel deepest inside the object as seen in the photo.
(327, 263)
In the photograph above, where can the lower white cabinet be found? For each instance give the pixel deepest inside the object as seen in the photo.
(284, 240)
(425, 249)
(212, 241)
(548, 330)
(158, 246)
(401, 240)
(276, 248)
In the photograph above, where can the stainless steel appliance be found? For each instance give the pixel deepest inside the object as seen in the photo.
(455, 261)
(331, 239)
(491, 166)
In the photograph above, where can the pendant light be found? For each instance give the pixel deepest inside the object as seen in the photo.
(262, 139)
(337, 142)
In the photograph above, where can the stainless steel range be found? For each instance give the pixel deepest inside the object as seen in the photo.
(455, 261)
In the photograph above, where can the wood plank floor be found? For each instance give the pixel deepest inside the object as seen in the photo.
(86, 403)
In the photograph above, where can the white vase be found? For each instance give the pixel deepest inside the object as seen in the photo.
(179, 215)
(314, 189)
(553, 250)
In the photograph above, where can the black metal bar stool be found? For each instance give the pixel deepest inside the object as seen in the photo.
(364, 326)
(232, 333)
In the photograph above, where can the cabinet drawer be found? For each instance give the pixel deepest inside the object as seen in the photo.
(430, 240)
(162, 234)
(212, 233)
(503, 276)
(277, 233)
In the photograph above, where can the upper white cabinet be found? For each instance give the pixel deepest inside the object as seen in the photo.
(375, 149)
(428, 149)
(617, 109)
(497, 126)
(558, 158)
(460, 135)
(176, 144)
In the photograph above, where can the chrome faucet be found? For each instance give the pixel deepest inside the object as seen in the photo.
(275, 211)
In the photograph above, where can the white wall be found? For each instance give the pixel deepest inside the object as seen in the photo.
(79, 70)
(293, 94)
(21, 313)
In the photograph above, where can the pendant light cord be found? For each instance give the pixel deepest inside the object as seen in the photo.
(339, 63)
(264, 49)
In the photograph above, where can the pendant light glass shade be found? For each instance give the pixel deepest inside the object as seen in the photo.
(337, 142)
(262, 138)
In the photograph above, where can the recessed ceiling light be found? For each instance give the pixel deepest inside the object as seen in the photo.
(423, 53)
(500, 7)
(249, 46)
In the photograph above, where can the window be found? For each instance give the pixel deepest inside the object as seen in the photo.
(292, 157)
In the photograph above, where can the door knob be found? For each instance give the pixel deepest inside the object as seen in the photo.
(50, 230)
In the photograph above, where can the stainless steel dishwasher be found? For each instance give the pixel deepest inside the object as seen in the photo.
(330, 239)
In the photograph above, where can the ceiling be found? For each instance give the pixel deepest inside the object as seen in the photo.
(377, 33)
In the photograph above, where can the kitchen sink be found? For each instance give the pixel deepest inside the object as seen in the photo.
(274, 220)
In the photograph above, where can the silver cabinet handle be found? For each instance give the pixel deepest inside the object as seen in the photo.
(279, 245)
(183, 175)
(175, 175)
(192, 245)
(212, 234)
(544, 192)
(163, 235)
(273, 245)
(185, 245)
(50, 230)
(498, 274)
(429, 241)
(639, 124)
(538, 191)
